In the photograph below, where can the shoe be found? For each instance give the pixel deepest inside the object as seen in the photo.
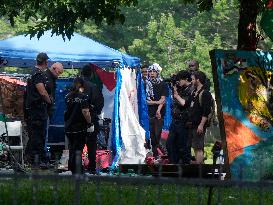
(91, 173)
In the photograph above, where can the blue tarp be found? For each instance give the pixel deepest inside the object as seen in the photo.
(21, 51)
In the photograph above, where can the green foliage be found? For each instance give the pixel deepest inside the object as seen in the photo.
(166, 32)
(15, 70)
(70, 73)
(206, 5)
(168, 45)
(61, 16)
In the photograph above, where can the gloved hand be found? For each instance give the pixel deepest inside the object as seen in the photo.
(90, 128)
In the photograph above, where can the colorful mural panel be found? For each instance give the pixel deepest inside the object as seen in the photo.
(244, 95)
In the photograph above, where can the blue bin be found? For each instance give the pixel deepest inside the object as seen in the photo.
(56, 125)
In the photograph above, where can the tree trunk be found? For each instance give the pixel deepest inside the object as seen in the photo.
(247, 36)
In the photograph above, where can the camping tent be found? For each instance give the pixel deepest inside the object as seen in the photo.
(21, 51)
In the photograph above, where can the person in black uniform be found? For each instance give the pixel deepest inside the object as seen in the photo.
(96, 103)
(77, 121)
(177, 143)
(52, 75)
(37, 101)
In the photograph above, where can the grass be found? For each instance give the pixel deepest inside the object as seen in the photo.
(43, 193)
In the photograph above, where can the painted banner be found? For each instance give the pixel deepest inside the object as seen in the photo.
(244, 94)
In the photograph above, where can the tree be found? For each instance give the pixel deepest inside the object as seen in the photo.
(61, 16)
(121, 36)
(249, 10)
(167, 45)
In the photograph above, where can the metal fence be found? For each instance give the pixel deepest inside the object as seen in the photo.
(133, 187)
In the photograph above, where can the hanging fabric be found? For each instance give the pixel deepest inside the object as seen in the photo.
(116, 141)
(142, 106)
(168, 113)
(132, 134)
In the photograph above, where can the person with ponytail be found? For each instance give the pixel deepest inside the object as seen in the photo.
(77, 119)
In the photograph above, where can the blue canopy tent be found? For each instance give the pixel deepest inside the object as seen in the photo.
(21, 51)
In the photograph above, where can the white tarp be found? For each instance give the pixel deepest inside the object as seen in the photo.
(133, 135)
(107, 111)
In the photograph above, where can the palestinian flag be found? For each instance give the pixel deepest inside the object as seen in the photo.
(106, 82)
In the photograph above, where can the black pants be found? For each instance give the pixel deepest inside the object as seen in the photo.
(155, 134)
(178, 147)
(76, 144)
(91, 142)
(36, 141)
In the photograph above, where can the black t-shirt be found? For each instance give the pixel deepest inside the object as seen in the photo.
(95, 98)
(51, 90)
(197, 110)
(74, 119)
(160, 89)
(50, 83)
(35, 104)
(180, 112)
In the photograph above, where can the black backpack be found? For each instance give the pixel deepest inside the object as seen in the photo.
(212, 119)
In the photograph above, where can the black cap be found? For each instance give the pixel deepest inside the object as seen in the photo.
(42, 57)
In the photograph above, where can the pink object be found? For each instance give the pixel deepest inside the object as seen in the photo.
(85, 160)
(103, 158)
(160, 153)
(164, 134)
(150, 160)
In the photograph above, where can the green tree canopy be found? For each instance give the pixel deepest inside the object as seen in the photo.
(166, 32)
(61, 16)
